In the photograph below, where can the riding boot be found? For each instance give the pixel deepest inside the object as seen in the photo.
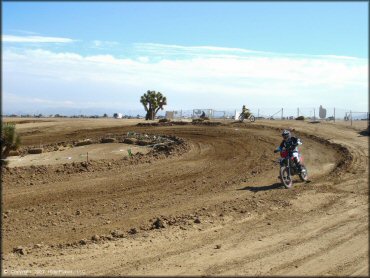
(299, 167)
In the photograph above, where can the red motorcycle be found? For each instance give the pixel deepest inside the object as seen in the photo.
(288, 168)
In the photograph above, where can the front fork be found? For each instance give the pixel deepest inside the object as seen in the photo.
(288, 165)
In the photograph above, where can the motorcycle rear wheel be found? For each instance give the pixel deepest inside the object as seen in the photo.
(285, 178)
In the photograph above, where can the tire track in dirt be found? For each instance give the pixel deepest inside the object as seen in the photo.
(83, 189)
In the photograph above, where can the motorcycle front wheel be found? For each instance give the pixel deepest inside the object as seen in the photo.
(285, 178)
(252, 118)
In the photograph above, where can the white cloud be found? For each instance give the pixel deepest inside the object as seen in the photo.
(37, 101)
(104, 44)
(156, 47)
(221, 80)
(34, 39)
(222, 52)
(143, 59)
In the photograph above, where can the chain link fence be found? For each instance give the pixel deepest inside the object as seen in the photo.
(332, 114)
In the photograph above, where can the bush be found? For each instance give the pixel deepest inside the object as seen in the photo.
(164, 120)
(300, 118)
(10, 141)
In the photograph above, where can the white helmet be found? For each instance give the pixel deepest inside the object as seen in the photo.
(285, 134)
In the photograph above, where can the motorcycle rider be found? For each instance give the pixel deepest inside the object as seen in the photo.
(290, 143)
(245, 111)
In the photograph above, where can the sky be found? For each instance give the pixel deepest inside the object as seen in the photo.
(100, 57)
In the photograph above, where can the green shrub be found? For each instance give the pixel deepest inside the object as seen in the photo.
(300, 118)
(9, 139)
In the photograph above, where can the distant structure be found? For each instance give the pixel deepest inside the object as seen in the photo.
(170, 115)
(202, 112)
(322, 112)
(117, 115)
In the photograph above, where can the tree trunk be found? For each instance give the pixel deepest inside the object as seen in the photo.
(150, 115)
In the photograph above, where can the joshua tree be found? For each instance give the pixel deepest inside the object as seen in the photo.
(9, 139)
(152, 101)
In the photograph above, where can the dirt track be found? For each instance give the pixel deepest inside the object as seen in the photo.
(223, 210)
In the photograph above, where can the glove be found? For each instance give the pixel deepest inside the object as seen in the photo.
(275, 151)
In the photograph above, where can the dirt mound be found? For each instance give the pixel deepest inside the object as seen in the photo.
(206, 123)
(170, 123)
(163, 147)
(128, 138)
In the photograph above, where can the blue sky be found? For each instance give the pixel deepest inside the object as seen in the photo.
(72, 56)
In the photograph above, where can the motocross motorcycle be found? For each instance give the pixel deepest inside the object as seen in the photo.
(288, 168)
(242, 117)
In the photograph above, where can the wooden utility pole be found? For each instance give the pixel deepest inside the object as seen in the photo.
(334, 114)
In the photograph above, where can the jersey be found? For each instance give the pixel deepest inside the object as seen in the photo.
(291, 144)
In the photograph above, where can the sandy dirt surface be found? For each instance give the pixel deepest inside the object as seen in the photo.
(216, 209)
(77, 154)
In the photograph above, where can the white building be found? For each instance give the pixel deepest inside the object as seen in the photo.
(117, 115)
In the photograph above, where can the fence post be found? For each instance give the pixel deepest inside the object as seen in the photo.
(258, 113)
(350, 112)
(334, 114)
(282, 113)
(314, 114)
(297, 112)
